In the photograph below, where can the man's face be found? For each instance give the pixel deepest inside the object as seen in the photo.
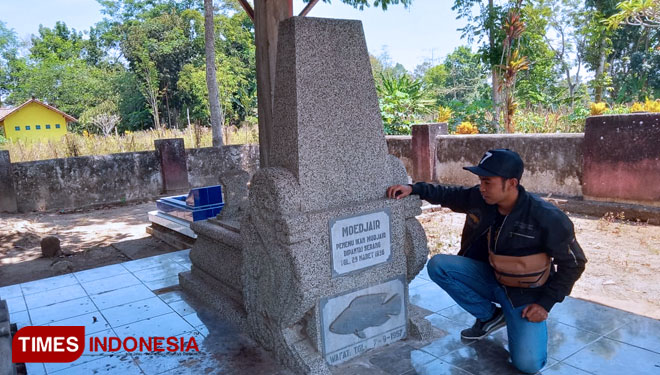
(495, 189)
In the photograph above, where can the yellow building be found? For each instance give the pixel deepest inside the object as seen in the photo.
(33, 120)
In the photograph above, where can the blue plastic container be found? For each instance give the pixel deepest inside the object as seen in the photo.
(200, 204)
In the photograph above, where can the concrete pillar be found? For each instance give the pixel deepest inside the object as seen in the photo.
(622, 158)
(7, 192)
(171, 155)
(424, 150)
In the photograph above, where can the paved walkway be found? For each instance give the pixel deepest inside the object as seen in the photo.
(142, 298)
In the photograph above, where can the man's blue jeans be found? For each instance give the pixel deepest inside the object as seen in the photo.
(472, 285)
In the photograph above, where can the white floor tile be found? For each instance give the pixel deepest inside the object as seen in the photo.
(110, 283)
(60, 311)
(50, 297)
(50, 283)
(132, 312)
(121, 296)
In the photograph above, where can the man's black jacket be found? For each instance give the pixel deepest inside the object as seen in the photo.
(533, 226)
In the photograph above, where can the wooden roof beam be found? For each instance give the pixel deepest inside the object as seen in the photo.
(308, 8)
(248, 8)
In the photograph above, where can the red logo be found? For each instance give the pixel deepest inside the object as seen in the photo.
(48, 344)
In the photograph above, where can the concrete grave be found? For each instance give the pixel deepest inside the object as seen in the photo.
(317, 271)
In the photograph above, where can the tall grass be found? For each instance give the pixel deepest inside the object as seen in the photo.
(544, 120)
(92, 144)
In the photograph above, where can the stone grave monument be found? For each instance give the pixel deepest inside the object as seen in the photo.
(322, 268)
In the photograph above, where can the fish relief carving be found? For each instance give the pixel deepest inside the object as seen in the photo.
(370, 310)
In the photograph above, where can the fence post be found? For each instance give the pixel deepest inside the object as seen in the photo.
(7, 191)
(622, 159)
(171, 155)
(424, 149)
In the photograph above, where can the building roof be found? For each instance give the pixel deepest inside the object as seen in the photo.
(4, 112)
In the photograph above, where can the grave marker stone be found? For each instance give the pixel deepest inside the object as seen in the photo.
(171, 155)
(326, 257)
(315, 264)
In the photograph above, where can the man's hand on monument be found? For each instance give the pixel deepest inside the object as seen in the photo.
(534, 313)
(398, 191)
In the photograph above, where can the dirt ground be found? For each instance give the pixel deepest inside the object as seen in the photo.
(89, 239)
(623, 268)
(623, 258)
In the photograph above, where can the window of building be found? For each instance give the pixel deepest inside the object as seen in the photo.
(38, 127)
(17, 128)
(57, 126)
(27, 127)
(47, 126)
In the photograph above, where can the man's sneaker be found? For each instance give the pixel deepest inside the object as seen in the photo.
(482, 329)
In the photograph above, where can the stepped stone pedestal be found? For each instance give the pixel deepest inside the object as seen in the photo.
(318, 269)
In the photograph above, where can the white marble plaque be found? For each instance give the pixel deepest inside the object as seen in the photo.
(364, 319)
(360, 241)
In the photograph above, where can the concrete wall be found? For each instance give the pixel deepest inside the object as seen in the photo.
(205, 165)
(553, 162)
(622, 158)
(69, 183)
(84, 181)
(401, 147)
(619, 164)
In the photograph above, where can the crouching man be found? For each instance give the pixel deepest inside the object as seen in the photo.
(517, 251)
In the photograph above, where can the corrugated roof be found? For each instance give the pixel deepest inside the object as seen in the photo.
(4, 112)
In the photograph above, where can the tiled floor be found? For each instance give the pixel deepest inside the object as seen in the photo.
(142, 298)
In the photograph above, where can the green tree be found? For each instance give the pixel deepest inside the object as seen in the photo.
(485, 27)
(361, 4)
(598, 44)
(435, 80)
(538, 85)
(645, 13)
(467, 77)
(8, 47)
(165, 38)
(562, 20)
(235, 71)
(634, 64)
(136, 50)
(103, 118)
(133, 108)
(466, 91)
(402, 101)
(55, 70)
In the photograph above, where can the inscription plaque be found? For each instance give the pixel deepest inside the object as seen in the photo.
(364, 319)
(360, 241)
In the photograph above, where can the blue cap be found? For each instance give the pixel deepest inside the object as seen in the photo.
(500, 162)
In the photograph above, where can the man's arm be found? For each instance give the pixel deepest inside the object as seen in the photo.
(458, 199)
(567, 255)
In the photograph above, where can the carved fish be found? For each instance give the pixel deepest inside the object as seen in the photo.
(370, 310)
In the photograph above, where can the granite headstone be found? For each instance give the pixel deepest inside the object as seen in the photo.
(326, 257)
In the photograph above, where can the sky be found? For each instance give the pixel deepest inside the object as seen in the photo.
(424, 31)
